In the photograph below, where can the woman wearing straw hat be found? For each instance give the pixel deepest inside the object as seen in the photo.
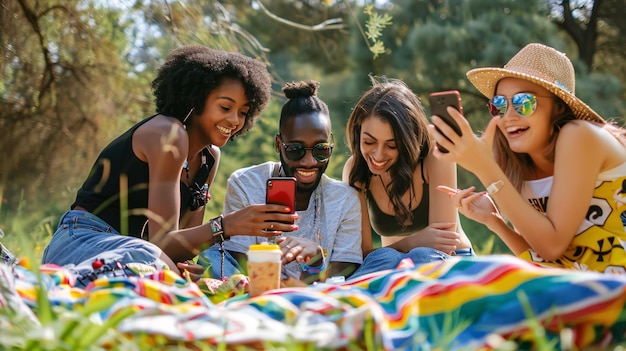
(549, 145)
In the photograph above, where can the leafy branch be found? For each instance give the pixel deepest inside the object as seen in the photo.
(375, 24)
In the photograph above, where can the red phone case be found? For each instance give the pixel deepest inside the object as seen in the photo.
(281, 191)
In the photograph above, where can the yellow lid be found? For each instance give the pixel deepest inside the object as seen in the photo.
(264, 247)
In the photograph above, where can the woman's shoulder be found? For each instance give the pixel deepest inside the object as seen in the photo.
(600, 142)
(160, 136)
(163, 129)
(579, 126)
(434, 168)
(592, 133)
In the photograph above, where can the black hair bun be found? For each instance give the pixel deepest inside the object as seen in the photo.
(299, 89)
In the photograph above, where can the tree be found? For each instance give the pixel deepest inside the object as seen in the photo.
(592, 25)
(599, 31)
(63, 83)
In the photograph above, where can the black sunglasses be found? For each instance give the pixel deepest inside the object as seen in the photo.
(321, 152)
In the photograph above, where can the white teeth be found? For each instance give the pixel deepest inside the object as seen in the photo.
(306, 173)
(378, 164)
(223, 130)
(513, 129)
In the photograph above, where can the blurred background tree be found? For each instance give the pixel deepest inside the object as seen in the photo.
(76, 73)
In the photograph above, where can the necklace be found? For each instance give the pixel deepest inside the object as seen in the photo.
(199, 193)
(317, 217)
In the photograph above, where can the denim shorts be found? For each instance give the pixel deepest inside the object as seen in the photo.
(386, 258)
(464, 252)
(82, 237)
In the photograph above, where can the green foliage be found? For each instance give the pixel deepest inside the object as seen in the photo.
(375, 25)
(77, 73)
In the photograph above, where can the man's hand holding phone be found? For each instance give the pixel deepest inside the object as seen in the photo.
(281, 191)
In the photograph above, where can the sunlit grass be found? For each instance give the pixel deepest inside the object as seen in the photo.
(58, 328)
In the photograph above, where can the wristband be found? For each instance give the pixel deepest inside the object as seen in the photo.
(217, 230)
(314, 270)
(495, 187)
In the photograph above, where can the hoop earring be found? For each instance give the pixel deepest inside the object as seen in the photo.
(187, 117)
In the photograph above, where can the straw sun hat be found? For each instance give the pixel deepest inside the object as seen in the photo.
(542, 65)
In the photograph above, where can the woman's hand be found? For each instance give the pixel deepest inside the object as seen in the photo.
(260, 220)
(299, 249)
(190, 270)
(475, 206)
(468, 151)
(439, 236)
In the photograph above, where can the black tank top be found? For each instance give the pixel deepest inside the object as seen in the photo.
(100, 193)
(386, 225)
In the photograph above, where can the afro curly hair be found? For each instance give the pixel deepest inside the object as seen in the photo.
(190, 74)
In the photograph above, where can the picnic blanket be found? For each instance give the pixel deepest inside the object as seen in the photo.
(459, 304)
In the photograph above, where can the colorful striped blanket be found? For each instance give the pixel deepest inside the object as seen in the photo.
(460, 304)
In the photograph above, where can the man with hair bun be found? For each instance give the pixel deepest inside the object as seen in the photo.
(327, 238)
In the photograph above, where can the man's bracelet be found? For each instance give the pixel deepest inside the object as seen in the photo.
(217, 230)
(313, 270)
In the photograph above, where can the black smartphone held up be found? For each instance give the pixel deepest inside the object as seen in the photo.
(438, 103)
(281, 191)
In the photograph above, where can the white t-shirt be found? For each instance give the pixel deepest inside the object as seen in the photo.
(339, 224)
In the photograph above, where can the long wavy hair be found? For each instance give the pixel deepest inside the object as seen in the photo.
(392, 101)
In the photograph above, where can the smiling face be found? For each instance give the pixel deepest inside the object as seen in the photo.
(309, 130)
(378, 144)
(526, 134)
(224, 114)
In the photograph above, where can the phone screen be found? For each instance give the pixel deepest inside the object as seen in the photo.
(281, 191)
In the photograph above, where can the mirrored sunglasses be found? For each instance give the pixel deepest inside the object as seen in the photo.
(524, 104)
(321, 152)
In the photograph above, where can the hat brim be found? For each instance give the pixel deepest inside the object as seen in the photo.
(486, 79)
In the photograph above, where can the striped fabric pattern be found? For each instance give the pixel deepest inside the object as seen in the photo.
(454, 304)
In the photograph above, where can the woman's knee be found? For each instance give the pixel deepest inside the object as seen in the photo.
(426, 254)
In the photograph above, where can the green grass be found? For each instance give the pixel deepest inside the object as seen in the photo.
(58, 328)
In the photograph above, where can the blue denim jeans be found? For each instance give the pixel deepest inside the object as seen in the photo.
(212, 257)
(386, 258)
(82, 237)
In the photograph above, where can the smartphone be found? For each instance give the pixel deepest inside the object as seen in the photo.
(438, 103)
(281, 191)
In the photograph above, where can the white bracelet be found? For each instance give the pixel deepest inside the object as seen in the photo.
(495, 187)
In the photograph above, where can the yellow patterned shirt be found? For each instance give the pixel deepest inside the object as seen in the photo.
(600, 241)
